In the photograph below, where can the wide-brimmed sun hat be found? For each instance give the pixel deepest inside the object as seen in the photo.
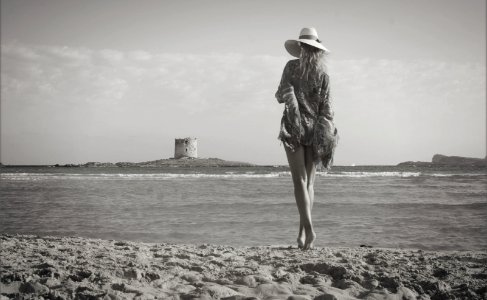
(309, 36)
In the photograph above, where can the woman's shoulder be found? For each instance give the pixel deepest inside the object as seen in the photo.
(291, 67)
(293, 63)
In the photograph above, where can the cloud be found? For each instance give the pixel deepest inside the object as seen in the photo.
(82, 75)
(65, 91)
(409, 110)
(106, 100)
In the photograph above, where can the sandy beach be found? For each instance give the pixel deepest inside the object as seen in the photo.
(80, 268)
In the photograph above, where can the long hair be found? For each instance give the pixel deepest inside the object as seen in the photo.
(311, 62)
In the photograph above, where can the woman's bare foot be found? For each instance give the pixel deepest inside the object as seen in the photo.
(309, 242)
(301, 236)
(301, 240)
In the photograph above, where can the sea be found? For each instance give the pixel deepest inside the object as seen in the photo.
(422, 207)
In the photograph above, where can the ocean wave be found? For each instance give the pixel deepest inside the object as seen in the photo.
(226, 175)
(369, 174)
(152, 176)
(398, 174)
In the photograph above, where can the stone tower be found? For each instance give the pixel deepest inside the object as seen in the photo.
(187, 147)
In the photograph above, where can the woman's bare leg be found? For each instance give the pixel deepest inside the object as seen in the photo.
(297, 166)
(311, 174)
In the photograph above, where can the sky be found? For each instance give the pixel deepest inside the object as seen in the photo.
(119, 80)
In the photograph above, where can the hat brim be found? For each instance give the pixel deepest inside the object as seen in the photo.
(293, 47)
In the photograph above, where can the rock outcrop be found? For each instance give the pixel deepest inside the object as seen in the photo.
(457, 160)
(170, 162)
(443, 160)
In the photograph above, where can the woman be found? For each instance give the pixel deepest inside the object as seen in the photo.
(307, 130)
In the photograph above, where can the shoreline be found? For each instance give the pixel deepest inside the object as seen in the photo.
(84, 268)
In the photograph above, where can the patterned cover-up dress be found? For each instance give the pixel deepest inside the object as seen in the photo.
(308, 117)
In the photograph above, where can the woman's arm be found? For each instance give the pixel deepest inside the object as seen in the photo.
(325, 108)
(326, 134)
(285, 91)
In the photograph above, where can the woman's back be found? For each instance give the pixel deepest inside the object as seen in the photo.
(307, 97)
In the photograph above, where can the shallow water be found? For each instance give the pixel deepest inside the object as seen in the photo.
(435, 209)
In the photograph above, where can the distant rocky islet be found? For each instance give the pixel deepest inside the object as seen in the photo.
(169, 162)
(443, 160)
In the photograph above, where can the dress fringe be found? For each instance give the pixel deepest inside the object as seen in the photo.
(325, 141)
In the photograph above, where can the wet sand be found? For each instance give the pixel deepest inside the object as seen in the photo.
(81, 268)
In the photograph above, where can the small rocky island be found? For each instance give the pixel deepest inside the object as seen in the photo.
(185, 155)
(443, 160)
(169, 162)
